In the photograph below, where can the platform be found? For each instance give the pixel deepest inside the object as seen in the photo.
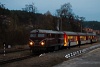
(90, 59)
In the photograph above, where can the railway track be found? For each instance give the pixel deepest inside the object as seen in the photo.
(15, 56)
(15, 59)
(20, 58)
(12, 50)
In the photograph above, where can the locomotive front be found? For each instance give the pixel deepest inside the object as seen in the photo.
(37, 39)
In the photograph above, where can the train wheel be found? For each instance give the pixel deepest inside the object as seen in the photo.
(49, 49)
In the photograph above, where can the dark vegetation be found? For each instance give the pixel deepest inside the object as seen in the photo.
(92, 24)
(15, 25)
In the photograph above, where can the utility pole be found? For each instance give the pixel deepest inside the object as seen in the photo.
(81, 20)
(61, 24)
(81, 26)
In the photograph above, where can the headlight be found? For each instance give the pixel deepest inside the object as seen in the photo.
(42, 43)
(31, 43)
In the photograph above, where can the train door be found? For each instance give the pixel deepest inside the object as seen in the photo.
(65, 39)
(78, 39)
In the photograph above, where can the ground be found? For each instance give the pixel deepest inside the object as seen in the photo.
(52, 59)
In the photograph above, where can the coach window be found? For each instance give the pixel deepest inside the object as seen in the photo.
(75, 38)
(93, 36)
(70, 38)
(83, 37)
(89, 37)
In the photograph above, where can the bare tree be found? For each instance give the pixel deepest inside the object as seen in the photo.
(65, 12)
(2, 5)
(81, 22)
(30, 8)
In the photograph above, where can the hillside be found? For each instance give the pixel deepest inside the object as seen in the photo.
(92, 24)
(15, 25)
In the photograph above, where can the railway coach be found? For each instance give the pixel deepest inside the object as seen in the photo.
(91, 38)
(70, 38)
(82, 38)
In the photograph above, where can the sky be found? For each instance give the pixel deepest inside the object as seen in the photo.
(90, 9)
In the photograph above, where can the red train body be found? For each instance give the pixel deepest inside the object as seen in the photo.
(49, 39)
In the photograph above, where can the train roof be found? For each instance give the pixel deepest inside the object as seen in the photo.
(91, 34)
(46, 31)
(82, 34)
(60, 32)
(70, 33)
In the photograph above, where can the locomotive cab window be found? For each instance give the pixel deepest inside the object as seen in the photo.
(41, 35)
(32, 35)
